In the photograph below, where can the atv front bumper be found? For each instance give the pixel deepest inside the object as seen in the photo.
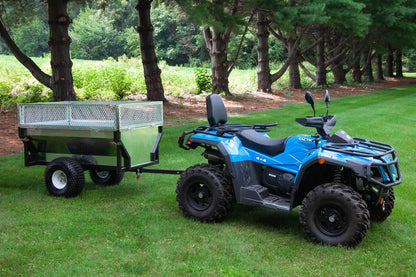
(376, 161)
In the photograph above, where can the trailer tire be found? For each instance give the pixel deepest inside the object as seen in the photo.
(380, 213)
(204, 193)
(64, 177)
(334, 214)
(106, 177)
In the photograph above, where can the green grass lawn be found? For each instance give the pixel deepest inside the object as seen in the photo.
(136, 228)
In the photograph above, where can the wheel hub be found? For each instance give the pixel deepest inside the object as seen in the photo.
(59, 179)
(331, 220)
(200, 197)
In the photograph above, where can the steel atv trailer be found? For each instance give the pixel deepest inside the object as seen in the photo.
(340, 182)
(106, 138)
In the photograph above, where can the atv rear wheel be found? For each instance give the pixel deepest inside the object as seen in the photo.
(204, 192)
(382, 211)
(334, 214)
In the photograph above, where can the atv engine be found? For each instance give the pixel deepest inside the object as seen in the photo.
(277, 181)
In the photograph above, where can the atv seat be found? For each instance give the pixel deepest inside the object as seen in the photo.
(216, 112)
(253, 140)
(217, 116)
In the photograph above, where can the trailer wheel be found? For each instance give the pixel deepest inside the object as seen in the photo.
(106, 177)
(381, 212)
(64, 177)
(204, 193)
(334, 214)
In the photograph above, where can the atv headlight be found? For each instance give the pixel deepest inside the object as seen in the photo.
(386, 170)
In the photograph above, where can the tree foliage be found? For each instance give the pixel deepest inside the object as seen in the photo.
(334, 36)
(94, 36)
(177, 41)
(32, 38)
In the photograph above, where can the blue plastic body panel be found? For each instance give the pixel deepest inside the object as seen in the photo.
(301, 152)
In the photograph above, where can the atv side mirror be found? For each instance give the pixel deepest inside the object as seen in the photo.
(327, 100)
(309, 99)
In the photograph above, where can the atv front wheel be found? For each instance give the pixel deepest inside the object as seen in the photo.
(382, 211)
(334, 214)
(204, 193)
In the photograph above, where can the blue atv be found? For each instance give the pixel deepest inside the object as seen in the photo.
(340, 182)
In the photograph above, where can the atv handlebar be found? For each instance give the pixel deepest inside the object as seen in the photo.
(322, 123)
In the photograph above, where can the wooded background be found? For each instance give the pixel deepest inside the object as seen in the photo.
(370, 38)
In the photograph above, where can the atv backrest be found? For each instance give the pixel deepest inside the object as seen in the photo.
(216, 113)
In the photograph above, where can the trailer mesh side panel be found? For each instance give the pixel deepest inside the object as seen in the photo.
(94, 115)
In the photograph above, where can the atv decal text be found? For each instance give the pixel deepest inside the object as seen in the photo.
(306, 139)
(261, 159)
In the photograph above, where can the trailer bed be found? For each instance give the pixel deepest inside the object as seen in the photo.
(104, 135)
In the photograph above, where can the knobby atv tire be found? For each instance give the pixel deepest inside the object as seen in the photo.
(64, 177)
(380, 213)
(205, 193)
(106, 177)
(334, 214)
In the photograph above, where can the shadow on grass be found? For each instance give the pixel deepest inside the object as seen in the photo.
(267, 220)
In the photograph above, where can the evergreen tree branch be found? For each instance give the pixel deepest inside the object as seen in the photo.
(39, 75)
(234, 61)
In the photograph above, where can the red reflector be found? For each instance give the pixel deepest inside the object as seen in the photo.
(138, 177)
(321, 161)
(189, 141)
(381, 200)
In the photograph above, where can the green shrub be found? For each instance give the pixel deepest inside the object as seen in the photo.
(105, 80)
(202, 79)
(22, 93)
(7, 100)
(33, 93)
(120, 82)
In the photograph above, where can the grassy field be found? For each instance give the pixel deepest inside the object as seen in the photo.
(136, 228)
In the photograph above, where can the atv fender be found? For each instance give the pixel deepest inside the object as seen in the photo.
(242, 173)
(359, 168)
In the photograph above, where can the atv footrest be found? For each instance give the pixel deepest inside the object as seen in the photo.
(278, 203)
(259, 196)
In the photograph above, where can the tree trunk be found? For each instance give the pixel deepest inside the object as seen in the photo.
(264, 82)
(368, 69)
(294, 75)
(320, 62)
(62, 82)
(398, 62)
(217, 44)
(339, 74)
(36, 72)
(151, 69)
(389, 64)
(356, 68)
(379, 68)
(336, 58)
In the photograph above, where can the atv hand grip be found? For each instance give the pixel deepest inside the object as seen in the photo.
(264, 125)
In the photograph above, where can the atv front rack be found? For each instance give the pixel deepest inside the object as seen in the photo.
(368, 148)
(388, 167)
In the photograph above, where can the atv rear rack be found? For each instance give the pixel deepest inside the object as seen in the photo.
(228, 130)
